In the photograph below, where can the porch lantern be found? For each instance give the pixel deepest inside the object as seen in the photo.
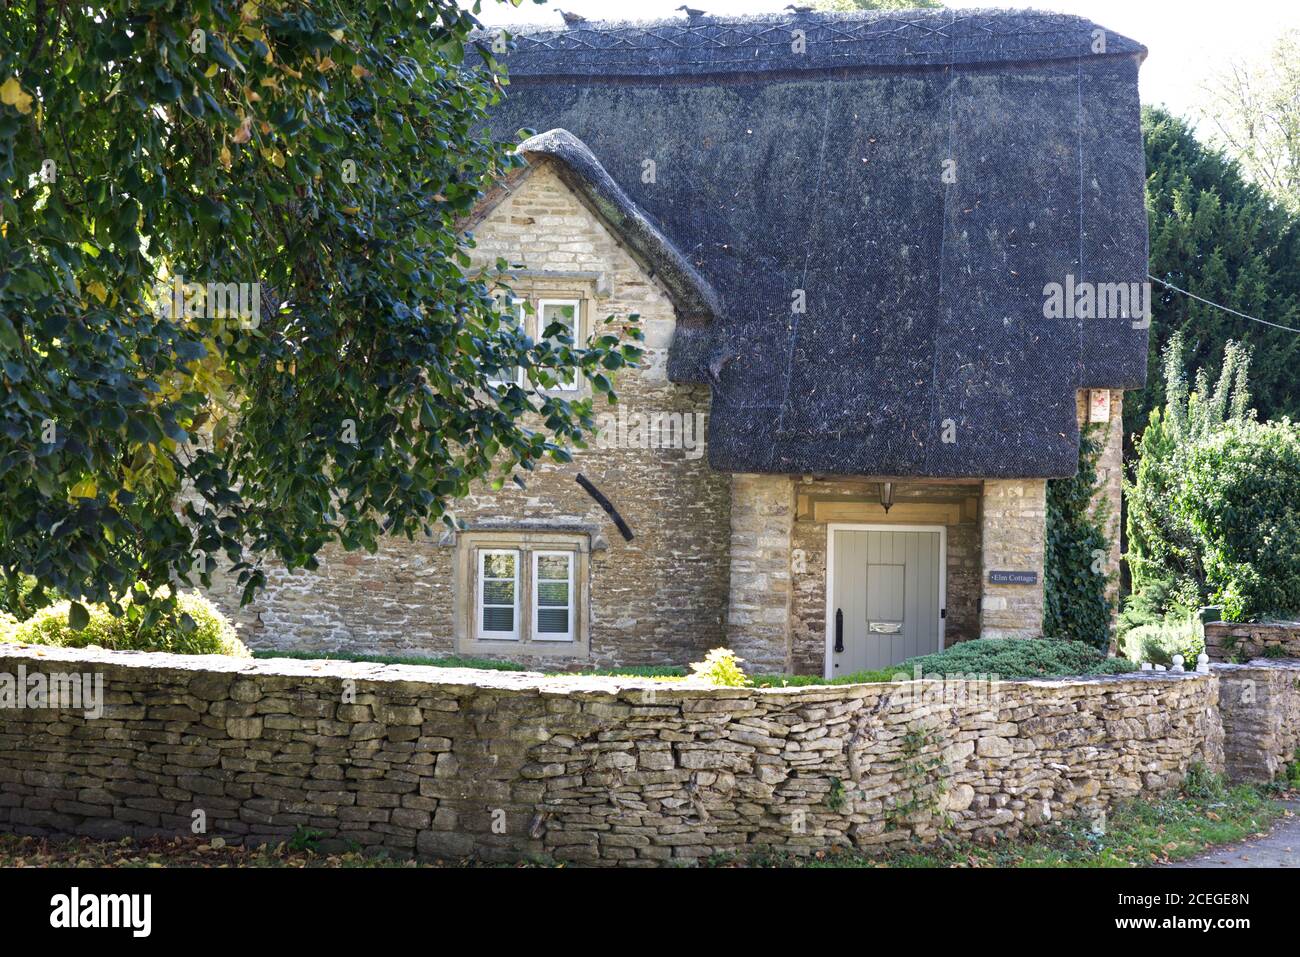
(886, 495)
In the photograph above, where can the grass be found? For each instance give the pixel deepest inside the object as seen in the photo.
(857, 678)
(444, 661)
(1005, 658)
(127, 853)
(1138, 834)
(456, 661)
(1002, 658)
(649, 671)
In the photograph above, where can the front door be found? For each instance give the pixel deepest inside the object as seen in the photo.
(886, 597)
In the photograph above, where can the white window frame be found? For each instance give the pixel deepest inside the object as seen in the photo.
(520, 307)
(571, 384)
(469, 544)
(481, 580)
(535, 591)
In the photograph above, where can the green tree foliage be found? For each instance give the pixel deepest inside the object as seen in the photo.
(1224, 239)
(1212, 515)
(1254, 108)
(1240, 497)
(324, 151)
(1075, 574)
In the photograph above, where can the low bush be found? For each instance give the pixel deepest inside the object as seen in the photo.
(721, 668)
(1159, 642)
(1019, 658)
(196, 628)
(1000, 657)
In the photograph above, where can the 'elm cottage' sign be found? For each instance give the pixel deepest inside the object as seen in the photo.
(1013, 578)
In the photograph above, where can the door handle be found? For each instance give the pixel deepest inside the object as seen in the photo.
(839, 630)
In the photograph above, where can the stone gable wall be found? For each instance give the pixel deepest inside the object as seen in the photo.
(659, 599)
(506, 765)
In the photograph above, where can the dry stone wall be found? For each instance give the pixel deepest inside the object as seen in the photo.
(507, 765)
(1242, 641)
(1259, 704)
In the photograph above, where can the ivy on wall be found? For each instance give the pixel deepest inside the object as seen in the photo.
(1075, 573)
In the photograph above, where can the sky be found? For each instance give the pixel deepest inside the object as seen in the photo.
(1189, 40)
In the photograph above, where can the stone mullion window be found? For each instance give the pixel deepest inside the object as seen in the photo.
(549, 615)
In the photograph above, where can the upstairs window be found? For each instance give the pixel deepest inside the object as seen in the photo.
(515, 309)
(564, 314)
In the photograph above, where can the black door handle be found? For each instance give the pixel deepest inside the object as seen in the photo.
(839, 630)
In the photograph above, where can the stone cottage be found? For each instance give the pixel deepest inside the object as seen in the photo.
(887, 266)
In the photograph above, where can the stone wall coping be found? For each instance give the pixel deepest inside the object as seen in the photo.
(519, 681)
(1273, 664)
(1279, 623)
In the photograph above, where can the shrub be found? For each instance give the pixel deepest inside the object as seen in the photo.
(1000, 657)
(1018, 658)
(721, 668)
(1160, 641)
(1211, 515)
(197, 628)
(1239, 497)
(7, 625)
(1202, 784)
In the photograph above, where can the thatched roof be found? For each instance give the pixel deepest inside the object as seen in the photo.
(776, 171)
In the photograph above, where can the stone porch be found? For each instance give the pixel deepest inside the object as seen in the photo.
(777, 614)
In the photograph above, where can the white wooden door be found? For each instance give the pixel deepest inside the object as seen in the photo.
(886, 597)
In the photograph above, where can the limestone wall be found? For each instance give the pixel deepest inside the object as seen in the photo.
(1242, 641)
(505, 765)
(1259, 704)
(758, 612)
(1108, 497)
(1013, 516)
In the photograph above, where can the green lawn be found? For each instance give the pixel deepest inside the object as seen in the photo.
(455, 661)
(445, 661)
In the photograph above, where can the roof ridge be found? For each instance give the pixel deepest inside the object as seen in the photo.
(707, 45)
